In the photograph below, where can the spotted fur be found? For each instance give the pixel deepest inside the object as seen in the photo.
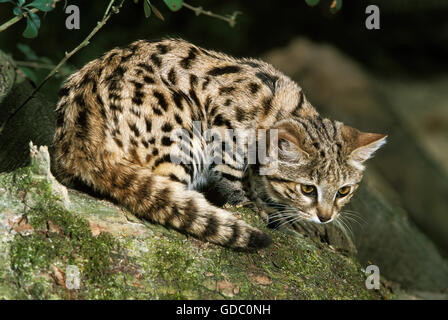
(116, 115)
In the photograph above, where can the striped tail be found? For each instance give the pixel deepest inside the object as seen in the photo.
(160, 199)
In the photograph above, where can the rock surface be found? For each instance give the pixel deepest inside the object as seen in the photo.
(43, 238)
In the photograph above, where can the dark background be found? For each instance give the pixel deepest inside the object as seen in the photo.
(412, 41)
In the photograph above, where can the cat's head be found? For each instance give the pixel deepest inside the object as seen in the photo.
(315, 167)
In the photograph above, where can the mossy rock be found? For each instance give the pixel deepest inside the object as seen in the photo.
(45, 231)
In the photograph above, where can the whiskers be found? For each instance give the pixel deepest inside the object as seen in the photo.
(353, 216)
(286, 215)
(346, 218)
(344, 227)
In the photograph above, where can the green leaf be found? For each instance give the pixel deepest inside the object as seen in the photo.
(157, 12)
(31, 29)
(29, 73)
(20, 3)
(45, 60)
(34, 17)
(335, 6)
(147, 8)
(174, 5)
(42, 5)
(27, 51)
(17, 11)
(312, 3)
(32, 25)
(1, 1)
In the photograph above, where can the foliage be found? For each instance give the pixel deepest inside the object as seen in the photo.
(34, 67)
(148, 7)
(28, 11)
(174, 5)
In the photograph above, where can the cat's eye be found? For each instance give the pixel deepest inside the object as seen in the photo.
(308, 189)
(342, 192)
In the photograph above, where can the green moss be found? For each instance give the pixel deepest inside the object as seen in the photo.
(60, 238)
(289, 270)
(162, 263)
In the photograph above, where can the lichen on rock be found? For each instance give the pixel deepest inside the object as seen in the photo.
(46, 231)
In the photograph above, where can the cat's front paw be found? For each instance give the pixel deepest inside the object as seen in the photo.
(262, 209)
(237, 198)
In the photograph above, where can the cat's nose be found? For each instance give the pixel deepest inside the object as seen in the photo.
(324, 219)
(324, 213)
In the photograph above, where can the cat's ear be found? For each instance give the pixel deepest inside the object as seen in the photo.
(363, 144)
(288, 142)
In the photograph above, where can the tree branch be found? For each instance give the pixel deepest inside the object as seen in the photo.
(16, 19)
(231, 20)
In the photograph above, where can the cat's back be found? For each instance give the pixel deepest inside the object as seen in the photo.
(126, 103)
